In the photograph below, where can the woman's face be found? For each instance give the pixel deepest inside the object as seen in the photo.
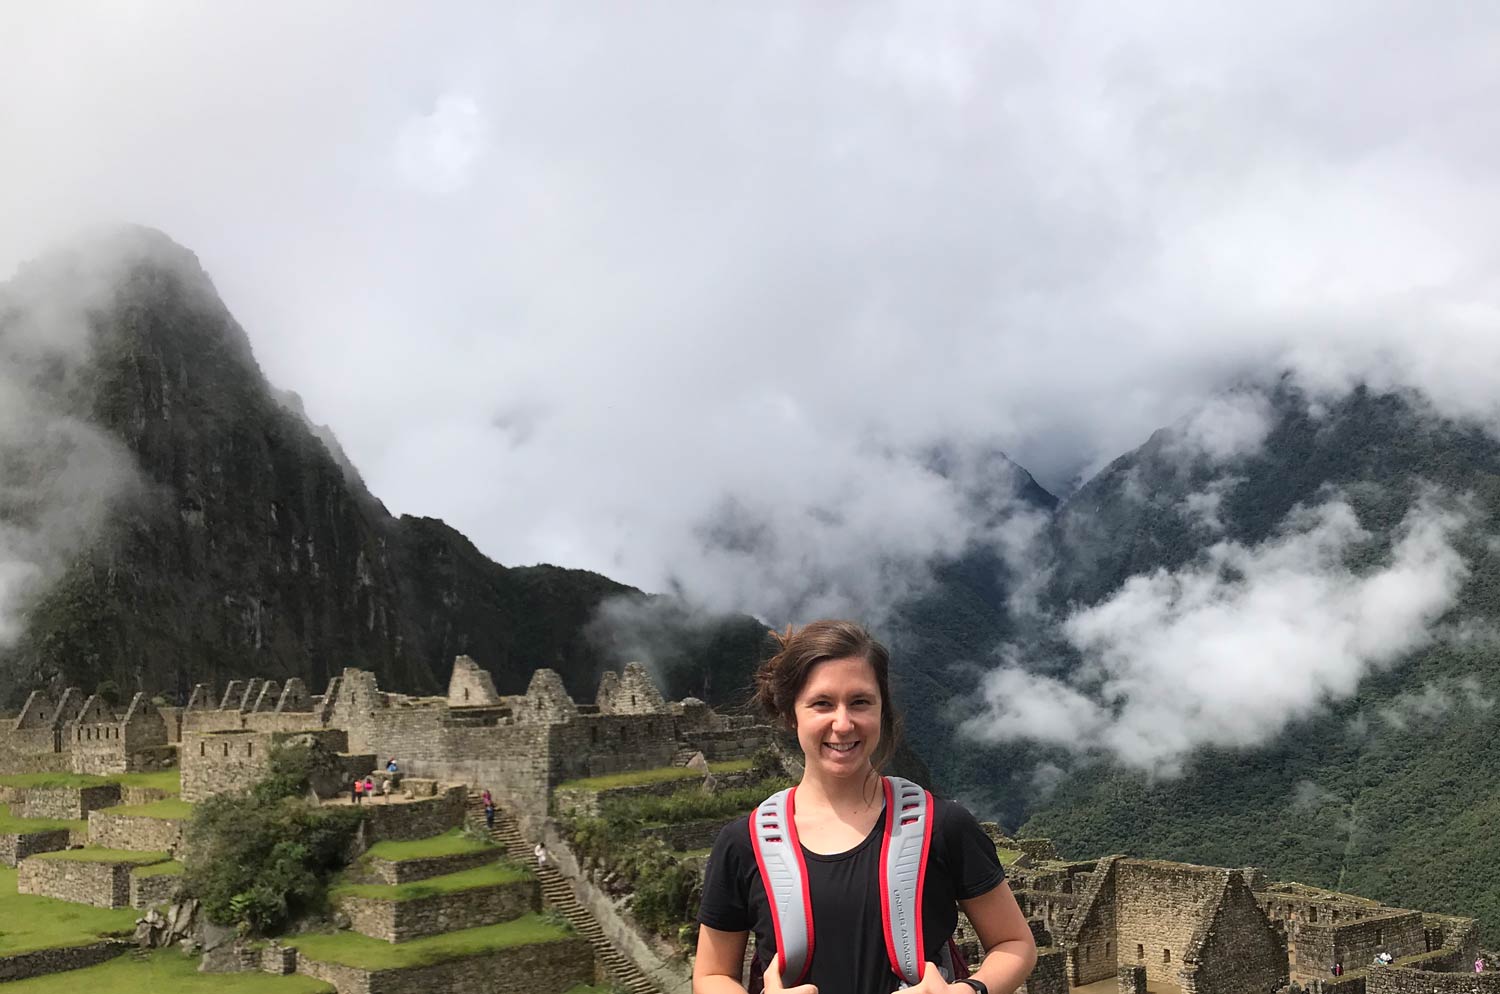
(838, 716)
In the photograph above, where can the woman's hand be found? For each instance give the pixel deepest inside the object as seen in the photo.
(773, 980)
(933, 983)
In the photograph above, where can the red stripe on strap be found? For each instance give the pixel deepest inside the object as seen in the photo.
(885, 884)
(760, 861)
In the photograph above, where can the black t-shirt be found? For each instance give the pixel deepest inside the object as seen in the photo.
(849, 954)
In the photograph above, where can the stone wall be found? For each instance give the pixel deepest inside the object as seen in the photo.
(1091, 932)
(1389, 980)
(1354, 944)
(722, 746)
(470, 686)
(1238, 950)
(545, 968)
(418, 819)
(41, 962)
(398, 921)
(691, 834)
(17, 846)
(1160, 905)
(103, 885)
(230, 762)
(150, 891)
(68, 803)
(587, 802)
(112, 831)
(1050, 975)
(407, 871)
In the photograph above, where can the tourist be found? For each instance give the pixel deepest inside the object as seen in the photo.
(370, 786)
(540, 852)
(829, 685)
(489, 812)
(387, 788)
(357, 791)
(390, 765)
(1479, 965)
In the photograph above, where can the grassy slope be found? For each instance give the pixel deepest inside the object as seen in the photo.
(165, 970)
(488, 875)
(9, 824)
(172, 809)
(353, 949)
(28, 922)
(92, 855)
(451, 843)
(167, 780)
(637, 778)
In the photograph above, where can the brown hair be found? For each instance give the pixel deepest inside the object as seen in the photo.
(780, 678)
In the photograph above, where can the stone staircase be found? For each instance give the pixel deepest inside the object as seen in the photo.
(556, 893)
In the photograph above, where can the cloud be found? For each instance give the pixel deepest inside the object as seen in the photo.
(607, 286)
(438, 152)
(1433, 701)
(1228, 426)
(1203, 505)
(1229, 650)
(60, 476)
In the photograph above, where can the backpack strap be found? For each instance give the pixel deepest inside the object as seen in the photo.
(903, 871)
(778, 853)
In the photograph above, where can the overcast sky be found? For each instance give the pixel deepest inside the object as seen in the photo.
(684, 292)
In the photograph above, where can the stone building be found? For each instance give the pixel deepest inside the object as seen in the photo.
(84, 735)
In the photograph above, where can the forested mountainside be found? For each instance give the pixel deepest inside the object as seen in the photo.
(248, 546)
(1388, 794)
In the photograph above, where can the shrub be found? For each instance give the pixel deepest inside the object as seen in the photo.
(262, 860)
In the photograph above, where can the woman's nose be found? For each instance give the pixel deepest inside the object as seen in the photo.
(841, 720)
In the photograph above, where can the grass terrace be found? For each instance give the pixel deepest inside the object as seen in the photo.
(9, 824)
(451, 843)
(488, 875)
(171, 809)
(1007, 856)
(171, 868)
(353, 949)
(164, 970)
(665, 774)
(92, 855)
(29, 922)
(166, 780)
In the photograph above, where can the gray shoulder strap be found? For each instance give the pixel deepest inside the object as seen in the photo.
(903, 865)
(779, 856)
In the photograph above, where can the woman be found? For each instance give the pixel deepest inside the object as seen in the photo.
(830, 685)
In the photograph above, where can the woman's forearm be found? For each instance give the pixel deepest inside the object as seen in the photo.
(1006, 966)
(716, 983)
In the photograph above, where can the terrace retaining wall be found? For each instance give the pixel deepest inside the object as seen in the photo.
(17, 846)
(103, 885)
(41, 962)
(405, 871)
(543, 968)
(398, 921)
(134, 832)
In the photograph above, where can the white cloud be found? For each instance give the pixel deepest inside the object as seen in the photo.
(1226, 427)
(1229, 650)
(438, 152)
(676, 259)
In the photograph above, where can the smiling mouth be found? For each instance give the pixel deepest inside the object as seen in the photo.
(842, 746)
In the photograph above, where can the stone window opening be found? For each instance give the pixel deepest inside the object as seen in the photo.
(226, 749)
(249, 748)
(466, 693)
(1312, 915)
(1166, 955)
(1379, 937)
(632, 700)
(1106, 949)
(203, 748)
(1140, 951)
(1086, 951)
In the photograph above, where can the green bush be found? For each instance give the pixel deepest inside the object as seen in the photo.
(263, 860)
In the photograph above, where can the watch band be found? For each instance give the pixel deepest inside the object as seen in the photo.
(978, 985)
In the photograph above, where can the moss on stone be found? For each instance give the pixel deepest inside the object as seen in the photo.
(165, 970)
(92, 855)
(451, 843)
(665, 774)
(488, 875)
(171, 810)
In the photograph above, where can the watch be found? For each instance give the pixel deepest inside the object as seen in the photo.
(978, 985)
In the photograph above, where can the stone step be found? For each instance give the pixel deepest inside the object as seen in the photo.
(558, 894)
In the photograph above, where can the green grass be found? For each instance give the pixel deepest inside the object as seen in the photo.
(92, 855)
(29, 922)
(639, 778)
(1007, 856)
(353, 949)
(170, 809)
(167, 780)
(171, 868)
(488, 875)
(451, 843)
(164, 970)
(11, 825)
